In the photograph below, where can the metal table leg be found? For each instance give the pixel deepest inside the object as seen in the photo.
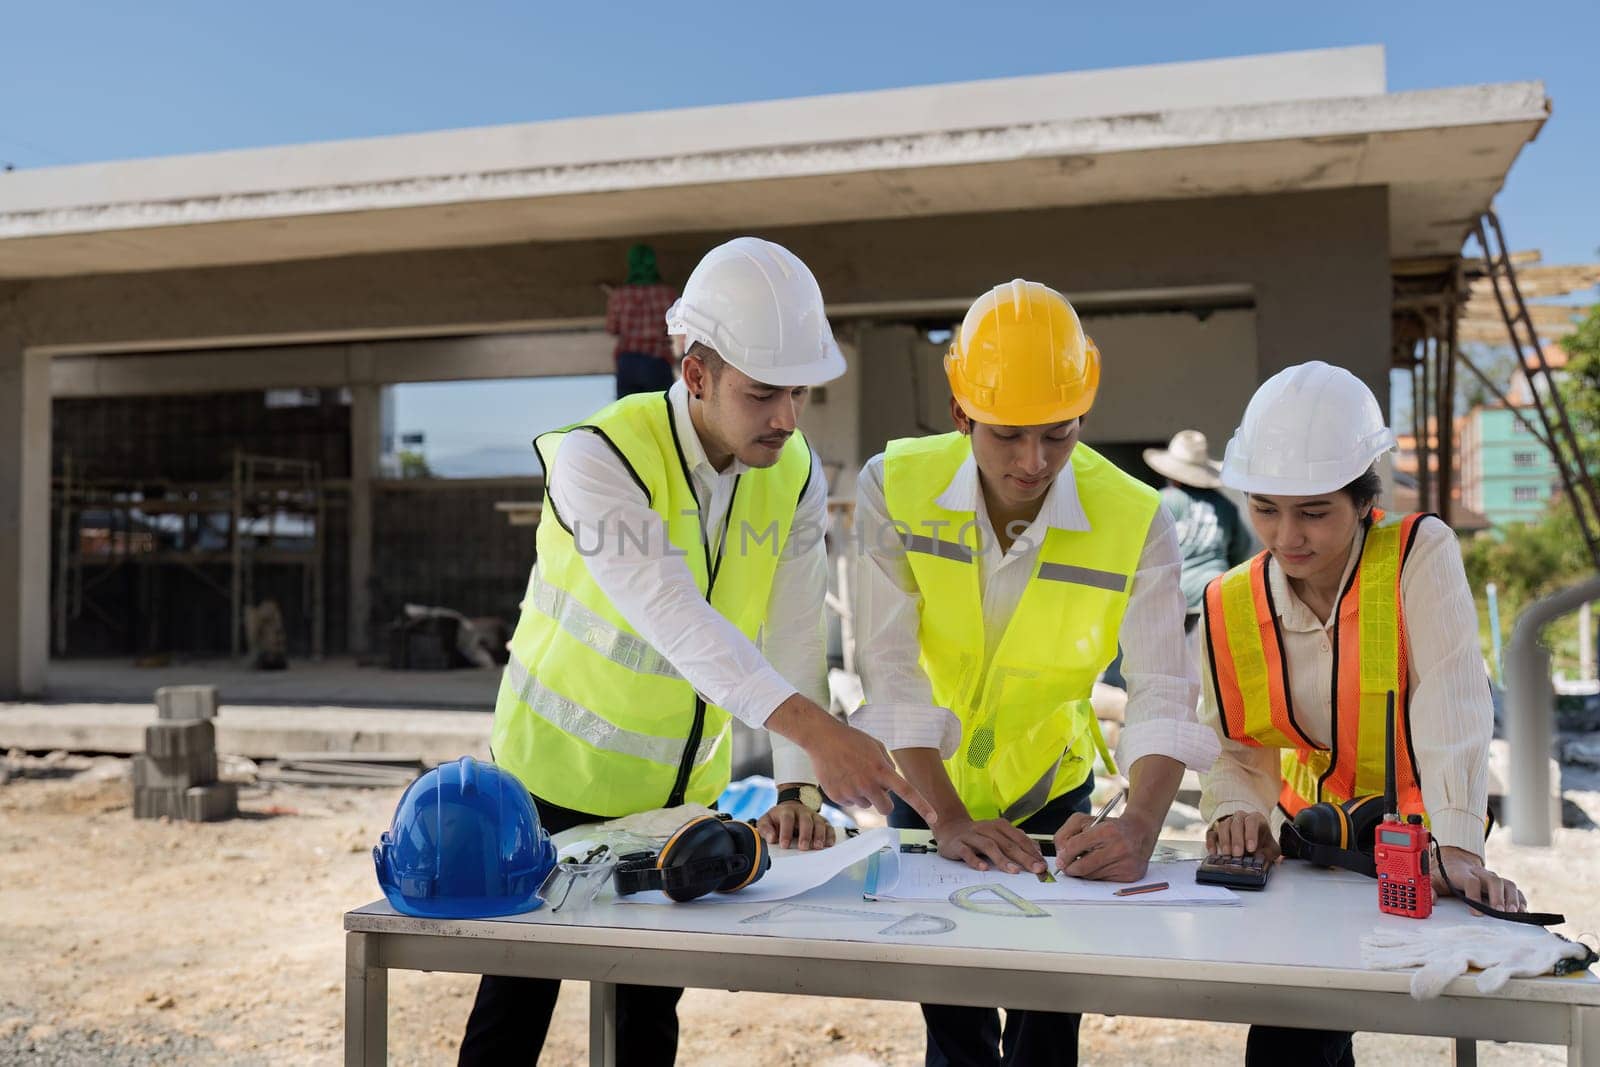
(366, 1004)
(1583, 1047)
(602, 1024)
(1465, 1052)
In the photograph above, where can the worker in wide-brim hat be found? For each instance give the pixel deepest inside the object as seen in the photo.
(1303, 644)
(999, 566)
(1212, 535)
(1186, 460)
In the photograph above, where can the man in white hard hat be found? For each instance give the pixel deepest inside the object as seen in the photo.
(680, 528)
(1212, 535)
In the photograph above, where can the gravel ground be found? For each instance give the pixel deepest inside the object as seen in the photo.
(147, 942)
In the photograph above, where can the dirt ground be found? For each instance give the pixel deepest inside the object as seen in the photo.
(139, 942)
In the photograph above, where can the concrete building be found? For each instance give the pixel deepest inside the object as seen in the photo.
(1404, 495)
(1505, 472)
(1214, 221)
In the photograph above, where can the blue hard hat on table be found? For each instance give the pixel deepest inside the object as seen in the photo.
(465, 844)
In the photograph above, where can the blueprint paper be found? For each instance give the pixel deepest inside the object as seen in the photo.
(792, 873)
(925, 877)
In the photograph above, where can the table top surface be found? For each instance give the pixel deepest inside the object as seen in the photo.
(1305, 928)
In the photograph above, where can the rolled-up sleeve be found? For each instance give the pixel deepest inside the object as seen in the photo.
(1163, 681)
(899, 709)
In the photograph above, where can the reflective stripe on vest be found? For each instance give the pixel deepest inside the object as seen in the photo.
(574, 719)
(1029, 734)
(615, 644)
(589, 715)
(1249, 672)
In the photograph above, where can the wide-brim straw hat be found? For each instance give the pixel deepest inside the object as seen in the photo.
(1186, 460)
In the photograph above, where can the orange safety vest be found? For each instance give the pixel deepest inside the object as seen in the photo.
(1250, 672)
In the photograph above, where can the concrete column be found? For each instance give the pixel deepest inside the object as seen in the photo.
(24, 511)
(365, 445)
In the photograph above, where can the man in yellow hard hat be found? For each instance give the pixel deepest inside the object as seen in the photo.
(999, 564)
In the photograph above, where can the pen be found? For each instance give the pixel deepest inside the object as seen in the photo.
(1105, 809)
(1148, 887)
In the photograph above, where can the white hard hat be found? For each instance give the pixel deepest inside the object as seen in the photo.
(760, 308)
(1309, 429)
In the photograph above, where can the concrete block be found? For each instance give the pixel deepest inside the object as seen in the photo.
(150, 803)
(180, 738)
(174, 772)
(186, 702)
(211, 803)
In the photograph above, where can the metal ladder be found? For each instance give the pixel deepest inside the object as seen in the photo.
(1557, 434)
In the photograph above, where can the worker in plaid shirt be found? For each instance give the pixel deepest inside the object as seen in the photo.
(636, 314)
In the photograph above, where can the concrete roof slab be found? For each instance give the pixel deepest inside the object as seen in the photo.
(738, 168)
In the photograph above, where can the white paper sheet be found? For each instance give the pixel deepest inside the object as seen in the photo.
(917, 876)
(792, 873)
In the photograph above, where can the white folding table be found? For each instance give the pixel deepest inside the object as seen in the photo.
(1289, 956)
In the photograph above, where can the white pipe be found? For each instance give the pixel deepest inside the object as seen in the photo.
(1586, 643)
(1530, 708)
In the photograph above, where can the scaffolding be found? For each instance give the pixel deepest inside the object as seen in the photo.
(270, 513)
(1434, 310)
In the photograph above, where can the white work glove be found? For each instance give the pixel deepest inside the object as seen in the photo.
(1503, 951)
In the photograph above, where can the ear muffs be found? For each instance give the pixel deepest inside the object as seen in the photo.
(1323, 824)
(706, 854)
(751, 847)
(1362, 816)
(1335, 835)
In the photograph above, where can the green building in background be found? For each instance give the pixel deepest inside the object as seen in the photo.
(1506, 474)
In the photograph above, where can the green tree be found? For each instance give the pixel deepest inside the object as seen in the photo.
(1531, 559)
(1581, 388)
(414, 464)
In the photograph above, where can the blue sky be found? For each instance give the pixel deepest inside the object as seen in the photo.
(81, 82)
(93, 81)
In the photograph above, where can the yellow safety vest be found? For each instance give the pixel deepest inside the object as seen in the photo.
(589, 715)
(1028, 733)
(1249, 670)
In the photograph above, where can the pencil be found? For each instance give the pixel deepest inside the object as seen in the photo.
(1148, 887)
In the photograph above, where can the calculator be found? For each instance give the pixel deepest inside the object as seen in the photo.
(1249, 871)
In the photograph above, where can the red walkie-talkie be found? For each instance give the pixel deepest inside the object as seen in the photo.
(1400, 849)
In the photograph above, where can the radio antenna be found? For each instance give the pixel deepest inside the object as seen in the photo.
(1391, 803)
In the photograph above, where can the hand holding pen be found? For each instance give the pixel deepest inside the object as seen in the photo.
(1115, 850)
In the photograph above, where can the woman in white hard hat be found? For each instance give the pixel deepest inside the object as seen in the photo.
(1302, 644)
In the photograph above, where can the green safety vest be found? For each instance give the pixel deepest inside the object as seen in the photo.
(589, 715)
(1028, 732)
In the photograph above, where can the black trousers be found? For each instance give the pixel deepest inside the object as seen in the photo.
(511, 1016)
(960, 1036)
(1268, 1046)
(639, 372)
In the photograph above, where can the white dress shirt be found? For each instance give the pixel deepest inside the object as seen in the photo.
(1163, 682)
(1451, 715)
(654, 590)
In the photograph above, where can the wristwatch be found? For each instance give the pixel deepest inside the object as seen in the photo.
(809, 795)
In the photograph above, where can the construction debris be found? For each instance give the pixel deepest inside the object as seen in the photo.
(186, 702)
(176, 775)
(352, 769)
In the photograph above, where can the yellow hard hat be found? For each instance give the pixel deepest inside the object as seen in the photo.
(1021, 358)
